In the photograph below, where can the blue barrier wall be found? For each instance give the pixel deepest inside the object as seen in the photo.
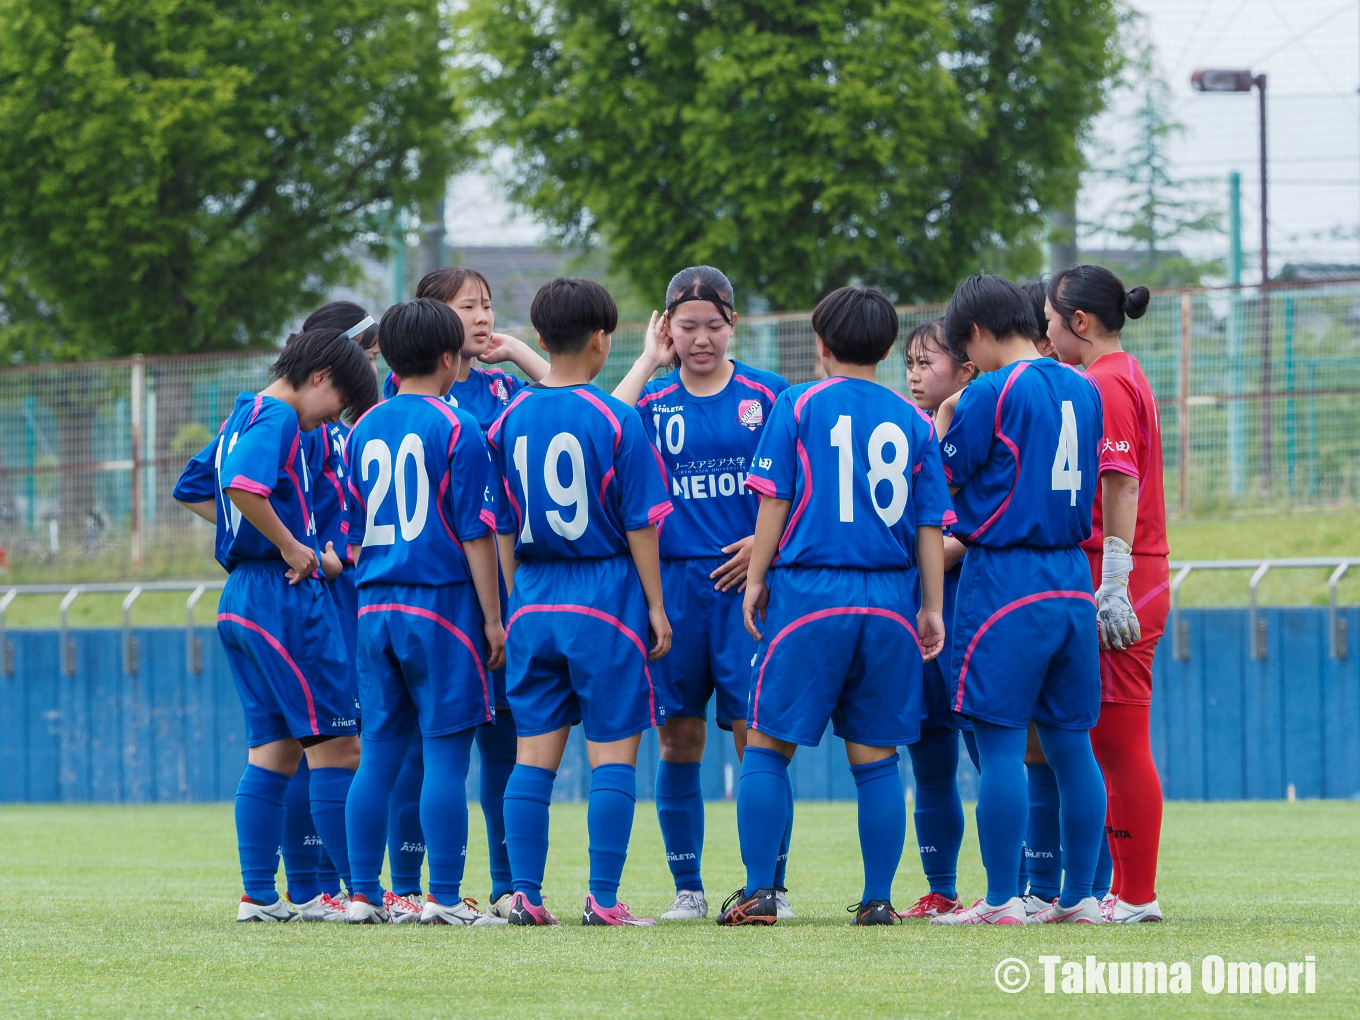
(1224, 726)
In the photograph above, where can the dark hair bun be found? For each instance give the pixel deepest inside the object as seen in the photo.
(1136, 302)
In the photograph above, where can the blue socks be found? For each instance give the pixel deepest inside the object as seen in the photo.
(443, 811)
(1043, 848)
(330, 790)
(1003, 806)
(496, 744)
(882, 824)
(609, 820)
(1100, 885)
(527, 796)
(366, 813)
(405, 837)
(301, 845)
(939, 809)
(781, 862)
(259, 828)
(970, 743)
(762, 813)
(1081, 793)
(680, 810)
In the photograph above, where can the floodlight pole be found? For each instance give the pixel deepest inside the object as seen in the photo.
(1266, 487)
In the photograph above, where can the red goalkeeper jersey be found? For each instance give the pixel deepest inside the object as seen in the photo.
(1132, 446)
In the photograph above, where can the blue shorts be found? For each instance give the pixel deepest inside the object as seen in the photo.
(422, 660)
(839, 645)
(1026, 645)
(576, 650)
(287, 654)
(711, 650)
(938, 688)
(498, 696)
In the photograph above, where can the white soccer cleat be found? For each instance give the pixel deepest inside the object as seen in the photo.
(402, 909)
(321, 908)
(360, 911)
(463, 912)
(1034, 904)
(1129, 913)
(688, 905)
(279, 910)
(1107, 904)
(1087, 911)
(982, 912)
(781, 902)
(501, 907)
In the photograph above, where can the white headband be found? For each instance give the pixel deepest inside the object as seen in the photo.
(359, 327)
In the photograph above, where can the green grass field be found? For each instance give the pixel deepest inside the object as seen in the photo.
(129, 912)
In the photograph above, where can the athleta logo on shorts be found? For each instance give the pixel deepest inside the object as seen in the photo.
(751, 414)
(312, 841)
(344, 724)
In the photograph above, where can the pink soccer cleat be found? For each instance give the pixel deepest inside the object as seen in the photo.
(1086, 911)
(931, 905)
(524, 912)
(982, 912)
(619, 914)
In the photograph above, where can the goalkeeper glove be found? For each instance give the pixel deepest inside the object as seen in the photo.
(1117, 622)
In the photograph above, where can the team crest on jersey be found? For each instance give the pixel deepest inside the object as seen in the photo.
(751, 414)
(500, 392)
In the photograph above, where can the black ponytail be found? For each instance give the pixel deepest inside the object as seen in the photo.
(1098, 292)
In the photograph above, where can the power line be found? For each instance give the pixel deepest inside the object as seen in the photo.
(1297, 35)
(1300, 39)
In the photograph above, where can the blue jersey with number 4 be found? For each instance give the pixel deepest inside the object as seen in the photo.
(578, 471)
(418, 473)
(707, 444)
(259, 450)
(1023, 449)
(861, 465)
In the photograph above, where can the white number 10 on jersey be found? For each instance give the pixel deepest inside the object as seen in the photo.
(1066, 474)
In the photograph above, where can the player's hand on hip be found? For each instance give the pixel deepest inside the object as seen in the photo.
(930, 630)
(732, 574)
(495, 644)
(661, 632)
(753, 606)
(331, 565)
(301, 560)
(1115, 618)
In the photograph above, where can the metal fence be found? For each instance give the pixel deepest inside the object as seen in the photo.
(1258, 411)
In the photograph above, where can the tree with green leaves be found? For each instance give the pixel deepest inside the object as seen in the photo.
(798, 144)
(1155, 209)
(186, 175)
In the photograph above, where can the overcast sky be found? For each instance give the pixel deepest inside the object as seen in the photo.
(1310, 49)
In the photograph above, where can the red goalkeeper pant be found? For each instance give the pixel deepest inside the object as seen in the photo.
(1134, 820)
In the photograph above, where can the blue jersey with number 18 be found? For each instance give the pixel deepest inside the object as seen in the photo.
(861, 465)
(578, 471)
(1024, 451)
(418, 474)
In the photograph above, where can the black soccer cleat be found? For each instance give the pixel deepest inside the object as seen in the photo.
(874, 912)
(758, 908)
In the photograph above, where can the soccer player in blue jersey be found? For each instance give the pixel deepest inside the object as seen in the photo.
(484, 393)
(1021, 453)
(277, 622)
(429, 611)
(313, 881)
(853, 499)
(705, 418)
(588, 492)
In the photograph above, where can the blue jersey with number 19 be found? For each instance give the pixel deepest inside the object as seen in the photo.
(578, 471)
(861, 465)
(1024, 450)
(418, 474)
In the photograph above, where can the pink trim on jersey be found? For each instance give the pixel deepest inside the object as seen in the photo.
(444, 482)
(661, 466)
(660, 512)
(821, 614)
(277, 645)
(1120, 467)
(603, 408)
(807, 494)
(487, 518)
(463, 639)
(291, 471)
(950, 519)
(1151, 595)
(948, 475)
(359, 422)
(514, 503)
(353, 491)
(1010, 607)
(1009, 444)
(763, 486)
(613, 621)
(496, 425)
(439, 505)
(344, 527)
(255, 411)
(1090, 379)
(647, 397)
(329, 472)
(807, 395)
(249, 485)
(604, 485)
(758, 387)
(924, 417)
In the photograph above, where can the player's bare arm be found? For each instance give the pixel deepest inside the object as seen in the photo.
(331, 564)
(301, 559)
(657, 351)
(504, 347)
(505, 546)
(954, 551)
(771, 520)
(732, 574)
(643, 546)
(930, 566)
(207, 509)
(481, 556)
